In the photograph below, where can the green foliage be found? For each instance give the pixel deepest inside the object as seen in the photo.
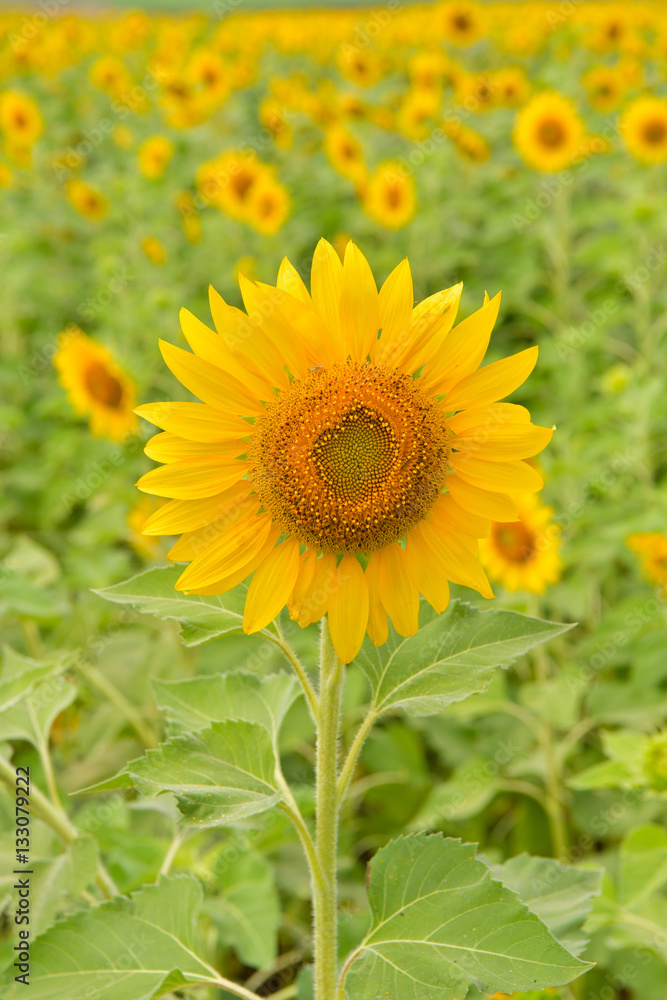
(441, 922)
(451, 657)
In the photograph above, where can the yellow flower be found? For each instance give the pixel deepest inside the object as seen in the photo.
(5, 175)
(190, 216)
(20, 120)
(511, 86)
(469, 143)
(360, 65)
(644, 129)
(389, 197)
(605, 87)
(344, 153)
(524, 554)
(651, 547)
(154, 250)
(228, 182)
(154, 156)
(268, 206)
(416, 110)
(334, 425)
(548, 132)
(96, 385)
(462, 22)
(273, 116)
(87, 200)
(110, 74)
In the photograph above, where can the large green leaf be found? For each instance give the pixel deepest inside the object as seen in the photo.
(441, 924)
(67, 874)
(247, 911)
(451, 657)
(561, 895)
(220, 775)
(200, 618)
(196, 702)
(124, 950)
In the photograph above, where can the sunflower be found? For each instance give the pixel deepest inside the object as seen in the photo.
(389, 197)
(511, 86)
(469, 143)
(462, 22)
(548, 132)
(228, 182)
(87, 200)
(96, 385)
(5, 175)
(524, 554)
(644, 129)
(651, 548)
(154, 250)
(345, 153)
(154, 156)
(20, 120)
(605, 87)
(346, 451)
(268, 206)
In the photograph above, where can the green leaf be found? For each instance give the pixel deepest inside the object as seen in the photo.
(200, 618)
(452, 657)
(67, 874)
(561, 895)
(466, 794)
(247, 913)
(20, 597)
(20, 674)
(441, 924)
(123, 950)
(31, 715)
(220, 775)
(197, 702)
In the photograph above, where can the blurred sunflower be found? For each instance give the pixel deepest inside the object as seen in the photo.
(20, 120)
(315, 427)
(154, 156)
(87, 200)
(154, 250)
(644, 129)
(651, 548)
(389, 197)
(524, 554)
(268, 206)
(345, 153)
(548, 132)
(462, 22)
(96, 385)
(605, 86)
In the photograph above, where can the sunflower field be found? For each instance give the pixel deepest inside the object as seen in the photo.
(265, 249)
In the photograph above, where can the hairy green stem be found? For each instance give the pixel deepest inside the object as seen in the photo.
(349, 767)
(294, 661)
(324, 893)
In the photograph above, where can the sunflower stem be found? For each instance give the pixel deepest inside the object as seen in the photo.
(324, 891)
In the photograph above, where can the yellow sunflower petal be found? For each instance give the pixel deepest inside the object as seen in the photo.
(359, 303)
(455, 558)
(495, 415)
(243, 571)
(482, 503)
(430, 326)
(307, 566)
(263, 306)
(271, 586)
(291, 281)
(211, 347)
(397, 591)
(246, 340)
(192, 478)
(315, 601)
(463, 351)
(302, 322)
(395, 300)
(499, 477)
(446, 511)
(378, 625)
(425, 572)
(348, 609)
(166, 447)
(225, 554)
(188, 515)
(326, 285)
(504, 443)
(492, 382)
(194, 421)
(209, 383)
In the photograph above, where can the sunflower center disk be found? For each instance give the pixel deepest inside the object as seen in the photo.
(351, 457)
